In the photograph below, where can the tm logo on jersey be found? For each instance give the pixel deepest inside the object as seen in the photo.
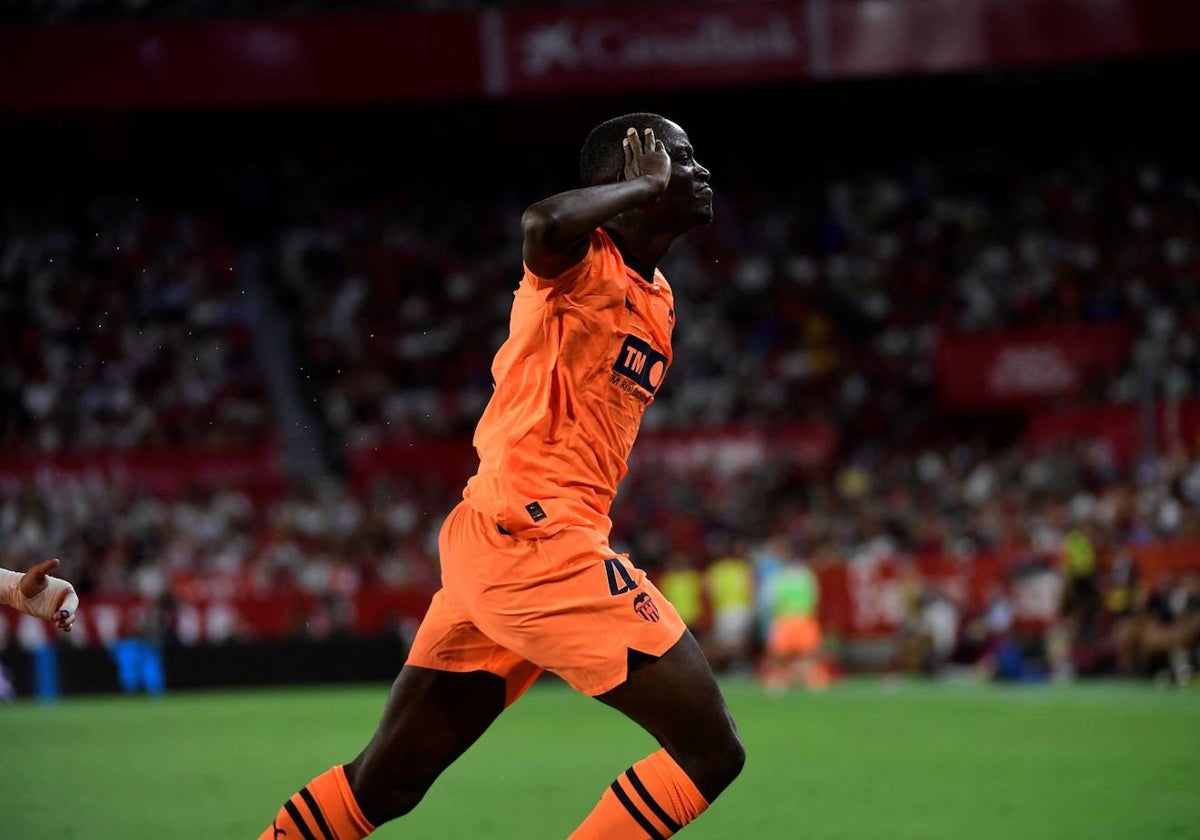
(640, 363)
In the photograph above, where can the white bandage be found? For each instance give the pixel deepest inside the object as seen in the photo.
(58, 596)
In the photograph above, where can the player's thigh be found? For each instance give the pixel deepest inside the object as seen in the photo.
(450, 640)
(677, 700)
(455, 682)
(430, 719)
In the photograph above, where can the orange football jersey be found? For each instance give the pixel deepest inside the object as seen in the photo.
(585, 354)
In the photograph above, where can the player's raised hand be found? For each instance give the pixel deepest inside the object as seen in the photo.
(51, 598)
(646, 156)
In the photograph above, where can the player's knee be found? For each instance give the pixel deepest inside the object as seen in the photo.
(732, 757)
(715, 761)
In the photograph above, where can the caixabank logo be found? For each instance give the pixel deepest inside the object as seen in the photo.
(638, 364)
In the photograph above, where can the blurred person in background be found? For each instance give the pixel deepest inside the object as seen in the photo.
(767, 558)
(1075, 636)
(1122, 598)
(793, 650)
(930, 630)
(683, 585)
(1170, 629)
(984, 631)
(1000, 652)
(729, 587)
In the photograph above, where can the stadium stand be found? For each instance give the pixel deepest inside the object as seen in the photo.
(276, 306)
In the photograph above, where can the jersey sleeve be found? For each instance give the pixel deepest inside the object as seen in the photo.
(584, 278)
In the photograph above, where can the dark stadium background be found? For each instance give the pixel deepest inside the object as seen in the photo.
(255, 258)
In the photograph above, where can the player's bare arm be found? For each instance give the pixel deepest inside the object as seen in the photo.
(556, 229)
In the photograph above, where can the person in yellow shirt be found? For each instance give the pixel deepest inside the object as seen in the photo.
(683, 585)
(1074, 634)
(729, 588)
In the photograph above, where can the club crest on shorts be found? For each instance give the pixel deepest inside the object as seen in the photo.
(644, 606)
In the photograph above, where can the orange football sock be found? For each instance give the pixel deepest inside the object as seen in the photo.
(324, 809)
(654, 798)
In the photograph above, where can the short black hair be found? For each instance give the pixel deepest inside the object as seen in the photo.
(601, 160)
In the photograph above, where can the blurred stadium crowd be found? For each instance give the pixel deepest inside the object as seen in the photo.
(826, 305)
(135, 321)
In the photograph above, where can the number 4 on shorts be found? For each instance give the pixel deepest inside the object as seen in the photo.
(619, 581)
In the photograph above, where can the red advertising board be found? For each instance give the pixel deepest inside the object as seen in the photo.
(346, 58)
(1175, 426)
(628, 46)
(166, 473)
(449, 462)
(868, 37)
(102, 621)
(868, 599)
(1025, 369)
(859, 600)
(444, 462)
(811, 445)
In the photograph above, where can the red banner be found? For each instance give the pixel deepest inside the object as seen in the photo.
(449, 462)
(614, 48)
(811, 445)
(345, 58)
(630, 47)
(443, 463)
(859, 600)
(102, 621)
(1021, 370)
(1159, 560)
(871, 599)
(867, 599)
(872, 38)
(1120, 428)
(166, 473)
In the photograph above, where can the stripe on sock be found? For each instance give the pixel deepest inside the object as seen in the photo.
(624, 799)
(671, 825)
(294, 813)
(307, 796)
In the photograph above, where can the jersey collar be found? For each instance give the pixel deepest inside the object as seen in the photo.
(641, 271)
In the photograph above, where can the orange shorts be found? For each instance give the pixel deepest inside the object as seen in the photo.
(794, 636)
(567, 604)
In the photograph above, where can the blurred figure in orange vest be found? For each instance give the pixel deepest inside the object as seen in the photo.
(793, 653)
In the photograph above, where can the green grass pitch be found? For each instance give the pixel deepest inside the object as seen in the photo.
(866, 759)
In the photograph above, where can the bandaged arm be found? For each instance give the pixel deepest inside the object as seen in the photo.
(57, 602)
